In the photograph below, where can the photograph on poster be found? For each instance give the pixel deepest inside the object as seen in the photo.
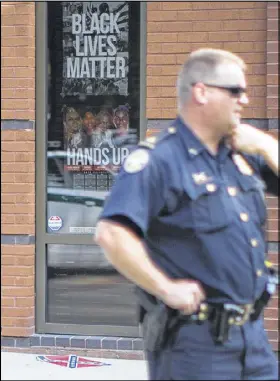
(93, 137)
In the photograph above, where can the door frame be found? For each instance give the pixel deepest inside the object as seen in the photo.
(42, 237)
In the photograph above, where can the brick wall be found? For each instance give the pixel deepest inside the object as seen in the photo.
(272, 59)
(177, 28)
(272, 100)
(17, 166)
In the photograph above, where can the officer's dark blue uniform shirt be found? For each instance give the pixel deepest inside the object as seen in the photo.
(200, 216)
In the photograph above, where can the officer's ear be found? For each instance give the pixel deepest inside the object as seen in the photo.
(199, 93)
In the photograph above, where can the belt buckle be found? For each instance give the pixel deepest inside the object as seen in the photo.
(240, 320)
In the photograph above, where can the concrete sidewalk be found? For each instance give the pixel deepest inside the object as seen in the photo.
(22, 366)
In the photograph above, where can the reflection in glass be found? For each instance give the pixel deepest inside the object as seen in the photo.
(83, 288)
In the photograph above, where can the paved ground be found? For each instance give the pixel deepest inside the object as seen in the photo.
(22, 366)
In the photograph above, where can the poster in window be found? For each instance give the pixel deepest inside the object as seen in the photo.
(94, 137)
(95, 48)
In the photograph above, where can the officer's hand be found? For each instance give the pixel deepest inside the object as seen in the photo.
(248, 139)
(184, 295)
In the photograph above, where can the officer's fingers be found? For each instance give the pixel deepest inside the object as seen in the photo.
(190, 309)
(191, 305)
(198, 291)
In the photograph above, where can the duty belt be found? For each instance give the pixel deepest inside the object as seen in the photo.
(234, 313)
(161, 323)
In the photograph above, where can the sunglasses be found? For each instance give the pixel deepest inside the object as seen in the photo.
(235, 91)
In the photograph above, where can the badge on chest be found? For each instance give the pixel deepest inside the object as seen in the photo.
(200, 178)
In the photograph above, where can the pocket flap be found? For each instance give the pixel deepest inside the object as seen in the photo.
(195, 191)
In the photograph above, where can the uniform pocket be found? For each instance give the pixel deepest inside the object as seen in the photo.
(253, 194)
(208, 208)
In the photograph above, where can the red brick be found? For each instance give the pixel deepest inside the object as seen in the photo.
(154, 48)
(7, 219)
(11, 104)
(273, 236)
(7, 178)
(176, 26)
(170, 5)
(162, 102)
(244, 4)
(252, 14)
(160, 59)
(271, 324)
(7, 302)
(152, 6)
(271, 313)
(272, 46)
(153, 92)
(272, 68)
(18, 249)
(207, 26)
(25, 198)
(272, 35)
(17, 291)
(255, 35)
(272, 79)
(25, 260)
(154, 113)
(225, 36)
(272, 91)
(162, 37)
(17, 188)
(24, 302)
(161, 16)
(169, 113)
(26, 281)
(196, 5)
(8, 198)
(17, 146)
(272, 213)
(192, 37)
(18, 229)
(272, 113)
(7, 280)
(17, 271)
(18, 332)
(272, 102)
(169, 48)
(272, 24)
(8, 135)
(24, 219)
(170, 69)
(161, 81)
(253, 57)
(18, 167)
(7, 9)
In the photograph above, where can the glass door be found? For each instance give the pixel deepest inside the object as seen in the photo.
(89, 115)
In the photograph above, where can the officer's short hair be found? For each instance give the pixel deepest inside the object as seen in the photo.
(201, 66)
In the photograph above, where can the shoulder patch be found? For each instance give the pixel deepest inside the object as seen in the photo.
(136, 161)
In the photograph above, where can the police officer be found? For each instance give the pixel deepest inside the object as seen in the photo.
(185, 222)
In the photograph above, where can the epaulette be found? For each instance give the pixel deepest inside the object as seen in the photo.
(152, 141)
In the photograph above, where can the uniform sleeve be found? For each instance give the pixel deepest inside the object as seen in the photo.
(266, 173)
(137, 195)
